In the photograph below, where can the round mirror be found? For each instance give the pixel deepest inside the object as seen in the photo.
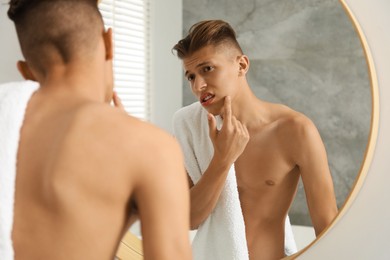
(307, 55)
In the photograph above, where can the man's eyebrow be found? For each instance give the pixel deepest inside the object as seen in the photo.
(197, 66)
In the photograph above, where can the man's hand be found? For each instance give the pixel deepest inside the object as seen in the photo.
(231, 140)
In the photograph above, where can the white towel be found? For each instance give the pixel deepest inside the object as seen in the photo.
(14, 97)
(222, 235)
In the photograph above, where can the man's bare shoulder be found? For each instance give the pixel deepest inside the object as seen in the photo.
(289, 125)
(295, 128)
(290, 119)
(118, 131)
(106, 117)
(107, 137)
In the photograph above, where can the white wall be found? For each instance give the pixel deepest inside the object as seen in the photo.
(166, 83)
(166, 67)
(9, 51)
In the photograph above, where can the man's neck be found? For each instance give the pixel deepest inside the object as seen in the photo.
(248, 109)
(80, 83)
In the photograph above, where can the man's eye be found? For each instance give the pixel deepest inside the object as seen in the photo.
(190, 78)
(208, 68)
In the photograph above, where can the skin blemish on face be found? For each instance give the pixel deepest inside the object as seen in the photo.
(270, 182)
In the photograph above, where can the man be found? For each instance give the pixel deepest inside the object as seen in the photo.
(270, 145)
(87, 169)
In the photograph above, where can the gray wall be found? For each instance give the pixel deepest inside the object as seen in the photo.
(305, 54)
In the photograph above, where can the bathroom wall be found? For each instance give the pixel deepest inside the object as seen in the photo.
(9, 51)
(166, 91)
(305, 54)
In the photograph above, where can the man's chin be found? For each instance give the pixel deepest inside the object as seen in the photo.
(216, 108)
(214, 112)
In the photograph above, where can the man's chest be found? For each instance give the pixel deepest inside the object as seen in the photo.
(264, 161)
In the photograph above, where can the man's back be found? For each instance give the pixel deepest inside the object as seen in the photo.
(78, 163)
(83, 166)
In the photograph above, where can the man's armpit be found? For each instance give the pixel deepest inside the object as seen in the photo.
(190, 183)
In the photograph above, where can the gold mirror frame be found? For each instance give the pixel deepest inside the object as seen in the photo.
(131, 246)
(372, 138)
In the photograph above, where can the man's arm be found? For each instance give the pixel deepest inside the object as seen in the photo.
(163, 199)
(228, 144)
(317, 180)
(161, 194)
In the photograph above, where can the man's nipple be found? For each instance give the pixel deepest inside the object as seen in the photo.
(270, 182)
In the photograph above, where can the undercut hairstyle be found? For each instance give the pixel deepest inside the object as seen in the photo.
(52, 31)
(204, 33)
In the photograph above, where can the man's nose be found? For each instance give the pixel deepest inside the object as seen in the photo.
(199, 84)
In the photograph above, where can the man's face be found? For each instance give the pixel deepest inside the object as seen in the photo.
(213, 74)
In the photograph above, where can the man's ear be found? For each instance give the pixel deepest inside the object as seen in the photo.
(25, 70)
(107, 36)
(243, 62)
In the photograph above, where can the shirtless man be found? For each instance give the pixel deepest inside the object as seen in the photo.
(271, 145)
(85, 168)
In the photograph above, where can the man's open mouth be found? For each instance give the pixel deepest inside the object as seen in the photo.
(206, 99)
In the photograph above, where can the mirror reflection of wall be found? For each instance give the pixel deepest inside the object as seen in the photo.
(305, 54)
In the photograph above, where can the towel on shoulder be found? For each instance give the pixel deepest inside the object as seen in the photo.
(14, 97)
(222, 235)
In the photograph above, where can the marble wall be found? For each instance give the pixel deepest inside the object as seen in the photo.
(305, 54)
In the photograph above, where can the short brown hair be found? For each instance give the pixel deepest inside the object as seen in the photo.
(204, 33)
(69, 28)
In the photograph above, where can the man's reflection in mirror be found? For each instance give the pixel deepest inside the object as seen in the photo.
(268, 146)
